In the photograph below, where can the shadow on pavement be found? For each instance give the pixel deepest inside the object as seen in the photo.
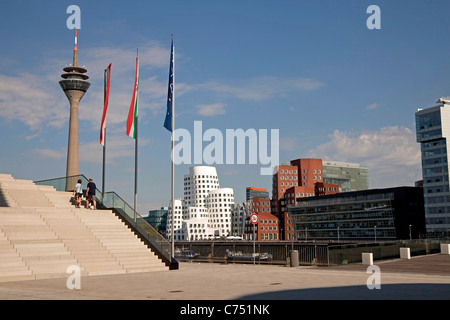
(415, 291)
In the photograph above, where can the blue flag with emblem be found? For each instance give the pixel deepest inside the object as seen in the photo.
(170, 98)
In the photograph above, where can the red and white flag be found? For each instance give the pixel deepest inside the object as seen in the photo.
(105, 107)
(133, 113)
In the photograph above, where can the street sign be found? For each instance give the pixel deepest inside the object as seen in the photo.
(254, 218)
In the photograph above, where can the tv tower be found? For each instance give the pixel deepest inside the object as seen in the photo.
(75, 86)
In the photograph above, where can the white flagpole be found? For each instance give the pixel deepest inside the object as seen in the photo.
(173, 167)
(136, 140)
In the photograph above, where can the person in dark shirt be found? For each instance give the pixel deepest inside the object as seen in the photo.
(90, 194)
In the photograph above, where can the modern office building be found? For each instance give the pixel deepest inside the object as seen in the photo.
(376, 214)
(349, 176)
(206, 210)
(252, 192)
(433, 130)
(158, 219)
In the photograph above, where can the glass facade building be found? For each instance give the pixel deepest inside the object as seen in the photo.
(158, 219)
(349, 176)
(381, 214)
(432, 131)
(251, 193)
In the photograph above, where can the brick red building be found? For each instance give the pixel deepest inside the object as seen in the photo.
(267, 228)
(297, 179)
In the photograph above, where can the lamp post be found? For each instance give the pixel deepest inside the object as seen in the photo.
(375, 232)
(410, 234)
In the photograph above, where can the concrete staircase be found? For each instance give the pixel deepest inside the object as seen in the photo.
(42, 233)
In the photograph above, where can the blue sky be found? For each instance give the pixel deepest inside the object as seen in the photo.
(311, 69)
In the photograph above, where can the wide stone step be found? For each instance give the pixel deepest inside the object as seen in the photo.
(6, 177)
(18, 277)
(40, 247)
(146, 269)
(14, 258)
(12, 266)
(42, 233)
(88, 258)
(135, 257)
(142, 263)
(53, 262)
(30, 198)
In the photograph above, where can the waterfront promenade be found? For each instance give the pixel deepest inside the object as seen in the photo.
(422, 277)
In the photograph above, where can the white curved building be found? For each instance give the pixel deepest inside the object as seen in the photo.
(206, 206)
(178, 218)
(220, 202)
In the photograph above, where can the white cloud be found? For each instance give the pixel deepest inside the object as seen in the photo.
(391, 154)
(36, 99)
(209, 110)
(372, 106)
(28, 99)
(262, 88)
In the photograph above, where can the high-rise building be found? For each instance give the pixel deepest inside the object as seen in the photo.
(74, 85)
(433, 131)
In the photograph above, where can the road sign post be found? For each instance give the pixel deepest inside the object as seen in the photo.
(254, 219)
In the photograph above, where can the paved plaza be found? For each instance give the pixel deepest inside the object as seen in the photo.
(424, 278)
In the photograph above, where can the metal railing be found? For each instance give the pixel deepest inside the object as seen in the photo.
(309, 253)
(267, 252)
(111, 200)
